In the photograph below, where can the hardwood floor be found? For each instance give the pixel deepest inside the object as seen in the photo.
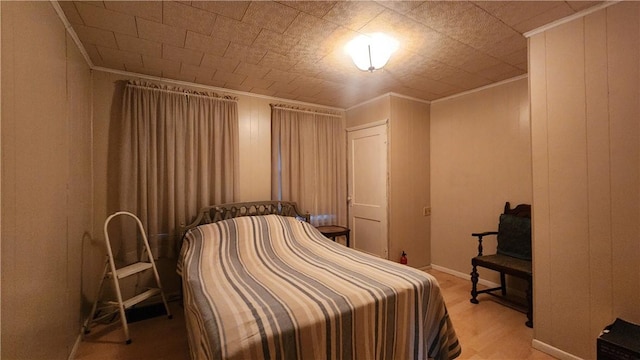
(158, 338)
(486, 331)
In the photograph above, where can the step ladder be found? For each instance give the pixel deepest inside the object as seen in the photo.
(107, 309)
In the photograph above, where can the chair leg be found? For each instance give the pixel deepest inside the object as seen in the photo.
(474, 285)
(529, 322)
(503, 284)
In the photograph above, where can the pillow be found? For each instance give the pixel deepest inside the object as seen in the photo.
(514, 236)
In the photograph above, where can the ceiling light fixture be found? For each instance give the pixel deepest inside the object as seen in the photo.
(371, 52)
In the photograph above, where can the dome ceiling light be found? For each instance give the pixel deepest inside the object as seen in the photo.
(371, 52)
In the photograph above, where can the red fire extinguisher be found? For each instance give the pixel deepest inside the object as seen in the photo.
(403, 258)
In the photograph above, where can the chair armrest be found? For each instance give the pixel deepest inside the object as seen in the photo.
(485, 233)
(479, 236)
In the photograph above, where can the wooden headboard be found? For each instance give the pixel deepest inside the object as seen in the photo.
(215, 213)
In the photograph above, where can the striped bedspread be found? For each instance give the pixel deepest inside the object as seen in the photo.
(272, 287)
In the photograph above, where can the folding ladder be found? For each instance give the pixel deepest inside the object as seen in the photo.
(144, 263)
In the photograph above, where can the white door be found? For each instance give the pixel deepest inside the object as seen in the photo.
(368, 188)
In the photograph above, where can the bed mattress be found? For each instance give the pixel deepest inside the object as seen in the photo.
(272, 287)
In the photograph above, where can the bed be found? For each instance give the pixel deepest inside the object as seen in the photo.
(259, 282)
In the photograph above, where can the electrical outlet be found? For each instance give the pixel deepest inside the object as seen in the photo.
(426, 211)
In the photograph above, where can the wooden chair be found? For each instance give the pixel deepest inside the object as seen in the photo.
(513, 255)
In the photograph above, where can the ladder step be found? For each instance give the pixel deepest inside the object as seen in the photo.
(141, 297)
(138, 298)
(132, 269)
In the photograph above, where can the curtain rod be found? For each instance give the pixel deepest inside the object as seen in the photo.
(180, 91)
(307, 111)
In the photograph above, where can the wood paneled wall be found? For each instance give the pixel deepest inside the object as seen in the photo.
(46, 182)
(480, 158)
(409, 181)
(585, 114)
(254, 115)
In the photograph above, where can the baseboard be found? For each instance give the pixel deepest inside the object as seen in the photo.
(487, 283)
(462, 275)
(425, 268)
(553, 351)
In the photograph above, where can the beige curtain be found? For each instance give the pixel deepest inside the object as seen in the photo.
(309, 162)
(178, 154)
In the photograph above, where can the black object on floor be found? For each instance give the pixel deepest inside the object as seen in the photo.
(619, 341)
(139, 313)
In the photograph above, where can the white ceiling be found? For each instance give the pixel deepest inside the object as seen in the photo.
(294, 49)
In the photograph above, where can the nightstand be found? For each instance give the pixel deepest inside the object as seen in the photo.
(333, 231)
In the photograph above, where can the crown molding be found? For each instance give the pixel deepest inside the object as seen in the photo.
(72, 33)
(520, 77)
(569, 18)
(385, 95)
(409, 98)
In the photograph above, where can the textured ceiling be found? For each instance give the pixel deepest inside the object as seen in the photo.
(294, 49)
